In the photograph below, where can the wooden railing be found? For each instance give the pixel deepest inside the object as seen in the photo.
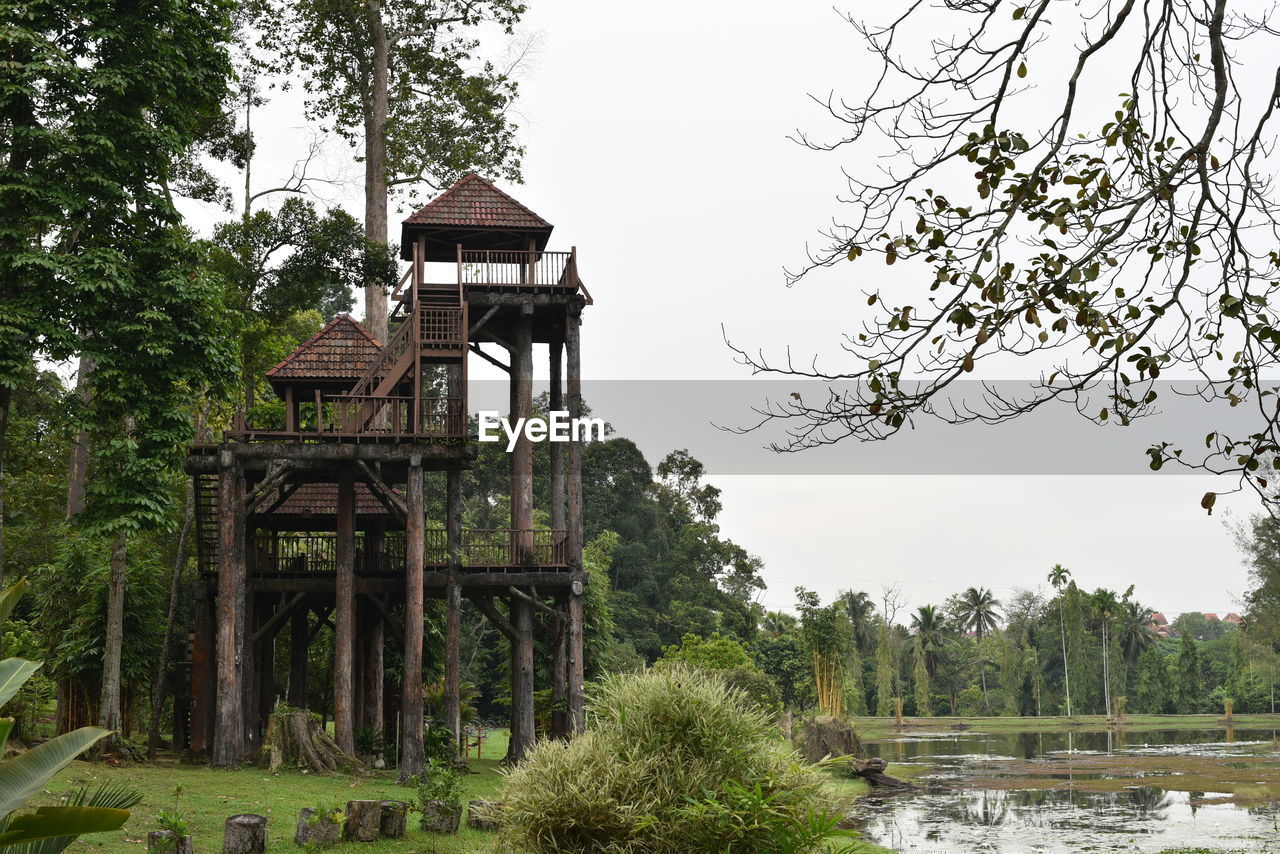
(442, 327)
(481, 548)
(317, 552)
(351, 415)
(400, 341)
(513, 268)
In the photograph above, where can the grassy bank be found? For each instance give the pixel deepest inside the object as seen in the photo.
(869, 727)
(209, 797)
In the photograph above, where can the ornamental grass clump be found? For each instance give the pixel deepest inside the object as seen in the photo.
(671, 761)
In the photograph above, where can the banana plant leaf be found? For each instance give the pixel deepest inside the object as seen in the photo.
(25, 775)
(112, 797)
(13, 673)
(50, 822)
(10, 597)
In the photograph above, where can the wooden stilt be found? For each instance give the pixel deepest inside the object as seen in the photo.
(453, 607)
(522, 698)
(266, 671)
(203, 689)
(298, 635)
(412, 759)
(228, 730)
(344, 620)
(376, 548)
(522, 455)
(560, 672)
(573, 490)
(556, 449)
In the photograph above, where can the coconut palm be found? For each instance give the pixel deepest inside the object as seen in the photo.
(979, 611)
(859, 608)
(1108, 608)
(926, 622)
(1060, 577)
(1133, 630)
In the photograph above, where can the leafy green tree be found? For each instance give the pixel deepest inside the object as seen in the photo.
(927, 624)
(920, 678)
(97, 109)
(1151, 685)
(979, 612)
(713, 653)
(1013, 675)
(294, 259)
(1059, 577)
(1189, 684)
(1259, 541)
(400, 80)
(860, 610)
(885, 669)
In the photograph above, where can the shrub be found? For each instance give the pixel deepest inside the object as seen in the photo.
(672, 760)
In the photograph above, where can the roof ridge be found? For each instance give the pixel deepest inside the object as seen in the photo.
(459, 186)
(314, 339)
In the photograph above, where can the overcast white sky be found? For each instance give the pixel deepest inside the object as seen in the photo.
(656, 139)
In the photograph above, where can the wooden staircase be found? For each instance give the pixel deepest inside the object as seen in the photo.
(206, 495)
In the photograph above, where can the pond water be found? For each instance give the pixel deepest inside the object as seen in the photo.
(1055, 792)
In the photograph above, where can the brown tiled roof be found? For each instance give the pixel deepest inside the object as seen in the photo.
(321, 499)
(474, 202)
(340, 351)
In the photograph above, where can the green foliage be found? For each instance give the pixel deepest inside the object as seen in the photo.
(671, 761)
(448, 111)
(98, 108)
(716, 652)
(920, 676)
(439, 781)
(25, 775)
(1189, 684)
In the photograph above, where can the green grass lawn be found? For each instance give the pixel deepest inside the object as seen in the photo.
(210, 796)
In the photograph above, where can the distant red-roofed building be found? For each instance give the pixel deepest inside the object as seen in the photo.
(1233, 618)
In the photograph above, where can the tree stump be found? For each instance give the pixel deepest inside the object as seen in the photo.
(364, 821)
(167, 842)
(441, 816)
(484, 815)
(393, 818)
(825, 736)
(317, 828)
(245, 834)
(295, 739)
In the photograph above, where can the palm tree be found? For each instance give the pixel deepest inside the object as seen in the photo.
(1060, 577)
(1135, 633)
(1108, 607)
(979, 611)
(859, 608)
(927, 624)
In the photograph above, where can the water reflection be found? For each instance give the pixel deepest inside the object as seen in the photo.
(950, 813)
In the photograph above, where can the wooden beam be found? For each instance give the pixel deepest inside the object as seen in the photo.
(285, 492)
(388, 619)
(453, 606)
(491, 612)
(267, 486)
(384, 493)
(475, 348)
(475, 327)
(278, 618)
(537, 603)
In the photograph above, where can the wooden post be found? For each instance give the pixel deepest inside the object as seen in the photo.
(344, 620)
(228, 730)
(522, 697)
(412, 759)
(522, 454)
(266, 669)
(560, 672)
(453, 606)
(245, 834)
(298, 636)
(376, 557)
(573, 489)
(556, 449)
(203, 690)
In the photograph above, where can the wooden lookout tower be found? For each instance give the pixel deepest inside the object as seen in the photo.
(315, 520)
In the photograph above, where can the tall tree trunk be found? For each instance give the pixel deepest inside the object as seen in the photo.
(1066, 665)
(375, 166)
(166, 651)
(79, 463)
(109, 706)
(6, 399)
